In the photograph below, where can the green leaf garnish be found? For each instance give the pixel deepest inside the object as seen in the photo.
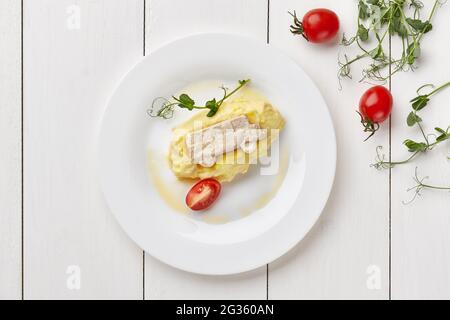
(419, 102)
(163, 108)
(363, 33)
(380, 20)
(414, 146)
(185, 101)
(412, 119)
(419, 25)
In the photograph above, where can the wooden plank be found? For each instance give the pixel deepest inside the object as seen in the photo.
(10, 144)
(166, 21)
(420, 230)
(348, 248)
(75, 53)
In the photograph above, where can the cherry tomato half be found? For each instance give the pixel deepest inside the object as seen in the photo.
(375, 106)
(203, 194)
(317, 26)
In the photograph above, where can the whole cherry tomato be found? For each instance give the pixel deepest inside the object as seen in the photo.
(317, 26)
(375, 106)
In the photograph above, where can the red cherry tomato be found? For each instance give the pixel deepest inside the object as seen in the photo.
(203, 194)
(375, 106)
(317, 26)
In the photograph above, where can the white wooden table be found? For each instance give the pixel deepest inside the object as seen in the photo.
(60, 61)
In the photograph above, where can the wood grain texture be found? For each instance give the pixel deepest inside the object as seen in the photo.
(70, 72)
(351, 238)
(167, 21)
(10, 146)
(420, 230)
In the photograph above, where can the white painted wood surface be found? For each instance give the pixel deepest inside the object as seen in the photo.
(420, 230)
(10, 146)
(352, 234)
(247, 17)
(69, 73)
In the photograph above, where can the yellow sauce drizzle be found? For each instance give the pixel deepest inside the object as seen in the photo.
(265, 198)
(162, 187)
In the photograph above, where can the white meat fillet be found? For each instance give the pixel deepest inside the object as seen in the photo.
(205, 145)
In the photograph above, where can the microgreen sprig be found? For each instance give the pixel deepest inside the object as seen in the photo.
(420, 185)
(164, 108)
(419, 102)
(378, 19)
(417, 147)
(414, 147)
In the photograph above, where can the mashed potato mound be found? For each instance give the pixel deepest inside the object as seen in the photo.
(248, 103)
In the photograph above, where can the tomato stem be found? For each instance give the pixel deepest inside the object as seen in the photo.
(369, 126)
(297, 27)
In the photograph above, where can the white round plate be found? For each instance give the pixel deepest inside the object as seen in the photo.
(240, 232)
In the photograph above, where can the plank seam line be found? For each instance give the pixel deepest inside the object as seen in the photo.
(143, 52)
(267, 40)
(21, 155)
(390, 180)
